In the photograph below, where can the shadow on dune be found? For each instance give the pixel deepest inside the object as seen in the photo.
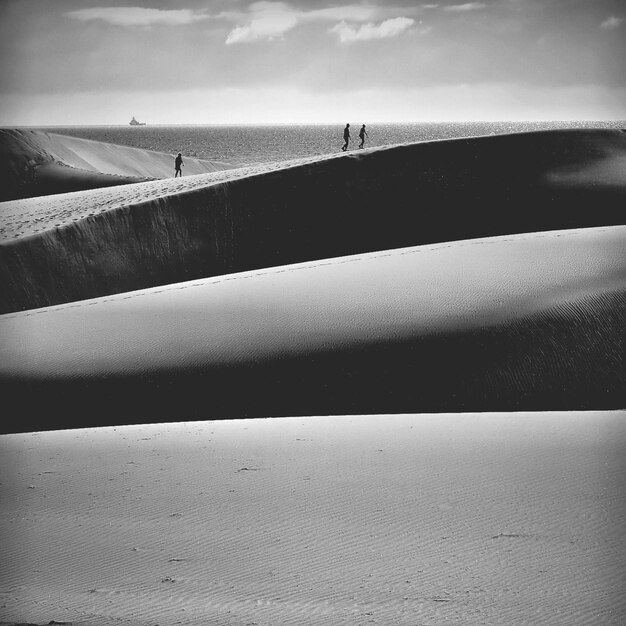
(569, 358)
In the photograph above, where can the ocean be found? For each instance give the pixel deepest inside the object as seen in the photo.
(244, 145)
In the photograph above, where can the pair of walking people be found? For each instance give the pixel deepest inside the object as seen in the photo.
(346, 136)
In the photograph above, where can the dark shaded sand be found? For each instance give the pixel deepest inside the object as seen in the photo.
(521, 322)
(467, 520)
(36, 163)
(100, 242)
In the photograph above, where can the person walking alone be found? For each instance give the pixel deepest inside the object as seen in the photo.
(178, 163)
(346, 137)
(362, 135)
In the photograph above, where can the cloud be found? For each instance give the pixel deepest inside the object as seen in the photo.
(389, 28)
(462, 8)
(138, 16)
(612, 23)
(268, 20)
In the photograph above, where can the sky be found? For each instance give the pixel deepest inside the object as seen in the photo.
(93, 62)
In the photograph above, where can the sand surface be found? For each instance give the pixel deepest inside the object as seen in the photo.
(410, 519)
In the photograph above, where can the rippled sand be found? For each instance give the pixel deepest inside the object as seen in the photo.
(408, 519)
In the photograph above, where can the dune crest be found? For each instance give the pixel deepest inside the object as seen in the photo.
(102, 242)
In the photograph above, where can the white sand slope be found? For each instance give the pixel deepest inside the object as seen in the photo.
(123, 160)
(308, 307)
(105, 158)
(37, 163)
(483, 519)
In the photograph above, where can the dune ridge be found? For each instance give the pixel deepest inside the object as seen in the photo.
(110, 241)
(36, 163)
(520, 322)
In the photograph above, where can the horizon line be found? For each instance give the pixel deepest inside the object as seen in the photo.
(327, 123)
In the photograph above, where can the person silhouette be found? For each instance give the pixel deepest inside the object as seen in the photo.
(178, 163)
(362, 134)
(346, 137)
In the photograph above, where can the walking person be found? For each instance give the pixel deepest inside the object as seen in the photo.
(362, 135)
(346, 137)
(178, 163)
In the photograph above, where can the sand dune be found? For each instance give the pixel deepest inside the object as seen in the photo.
(107, 241)
(450, 519)
(471, 275)
(36, 163)
(521, 322)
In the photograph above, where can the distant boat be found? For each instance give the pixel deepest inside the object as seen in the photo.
(134, 122)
